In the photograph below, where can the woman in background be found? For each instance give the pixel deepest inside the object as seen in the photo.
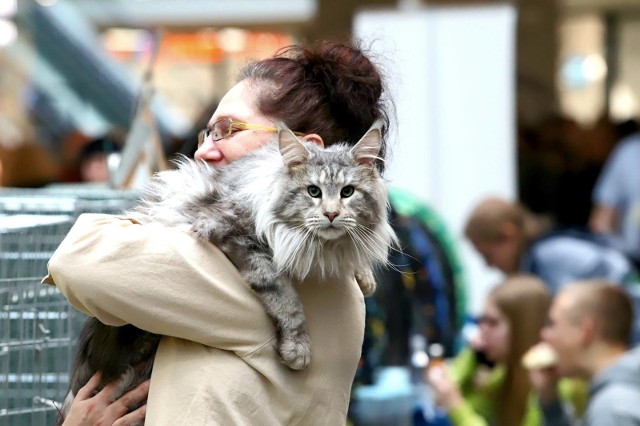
(476, 395)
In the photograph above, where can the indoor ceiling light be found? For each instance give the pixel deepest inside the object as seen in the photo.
(8, 8)
(46, 2)
(8, 32)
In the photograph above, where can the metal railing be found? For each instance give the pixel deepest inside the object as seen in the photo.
(38, 327)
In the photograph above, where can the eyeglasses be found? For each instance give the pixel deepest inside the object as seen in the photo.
(225, 127)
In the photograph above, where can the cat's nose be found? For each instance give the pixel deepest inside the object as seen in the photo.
(331, 215)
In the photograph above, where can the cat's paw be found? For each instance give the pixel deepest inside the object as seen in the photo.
(366, 282)
(295, 352)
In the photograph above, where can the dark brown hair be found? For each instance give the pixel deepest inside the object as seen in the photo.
(524, 300)
(329, 88)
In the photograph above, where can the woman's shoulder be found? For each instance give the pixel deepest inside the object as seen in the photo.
(126, 229)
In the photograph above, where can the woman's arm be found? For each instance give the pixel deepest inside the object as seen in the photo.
(159, 279)
(448, 395)
(465, 415)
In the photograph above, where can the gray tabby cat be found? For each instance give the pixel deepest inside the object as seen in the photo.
(284, 212)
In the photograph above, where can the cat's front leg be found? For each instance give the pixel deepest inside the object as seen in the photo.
(366, 281)
(295, 349)
(284, 306)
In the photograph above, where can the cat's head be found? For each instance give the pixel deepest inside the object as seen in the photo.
(334, 192)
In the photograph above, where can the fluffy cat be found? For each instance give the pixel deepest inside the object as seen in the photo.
(281, 213)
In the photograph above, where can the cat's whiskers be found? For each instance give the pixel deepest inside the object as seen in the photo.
(371, 233)
(360, 241)
(300, 245)
(292, 252)
(374, 237)
(362, 232)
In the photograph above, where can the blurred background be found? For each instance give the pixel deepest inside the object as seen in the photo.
(547, 86)
(523, 99)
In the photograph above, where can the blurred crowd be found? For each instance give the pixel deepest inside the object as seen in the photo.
(559, 162)
(569, 251)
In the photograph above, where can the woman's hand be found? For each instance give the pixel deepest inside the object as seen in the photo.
(446, 393)
(102, 410)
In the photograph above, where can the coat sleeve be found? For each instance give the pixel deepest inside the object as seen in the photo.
(159, 279)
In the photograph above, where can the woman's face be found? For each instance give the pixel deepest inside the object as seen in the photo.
(238, 104)
(495, 333)
(502, 255)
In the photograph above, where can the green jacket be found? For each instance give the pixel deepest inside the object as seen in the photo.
(481, 396)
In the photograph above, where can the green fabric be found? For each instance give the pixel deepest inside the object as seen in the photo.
(465, 415)
(407, 204)
(480, 400)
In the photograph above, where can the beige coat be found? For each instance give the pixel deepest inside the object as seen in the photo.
(219, 367)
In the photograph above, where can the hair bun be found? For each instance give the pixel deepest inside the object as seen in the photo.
(328, 88)
(352, 83)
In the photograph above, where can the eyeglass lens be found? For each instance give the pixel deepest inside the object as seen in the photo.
(221, 129)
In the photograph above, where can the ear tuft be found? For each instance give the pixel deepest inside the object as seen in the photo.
(292, 150)
(367, 149)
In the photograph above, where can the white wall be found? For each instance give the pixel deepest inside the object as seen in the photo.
(452, 76)
(627, 104)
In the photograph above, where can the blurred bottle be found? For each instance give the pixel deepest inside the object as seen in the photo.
(426, 413)
(424, 408)
(436, 355)
(419, 358)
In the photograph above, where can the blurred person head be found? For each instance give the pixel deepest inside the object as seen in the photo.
(93, 159)
(590, 324)
(327, 92)
(513, 317)
(500, 231)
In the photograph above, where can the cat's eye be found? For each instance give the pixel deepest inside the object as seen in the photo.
(314, 191)
(347, 191)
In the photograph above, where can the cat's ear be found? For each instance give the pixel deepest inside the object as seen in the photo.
(368, 147)
(292, 150)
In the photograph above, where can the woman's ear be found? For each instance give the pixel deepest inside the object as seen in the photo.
(314, 138)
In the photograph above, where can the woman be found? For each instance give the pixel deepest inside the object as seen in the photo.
(473, 394)
(217, 363)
